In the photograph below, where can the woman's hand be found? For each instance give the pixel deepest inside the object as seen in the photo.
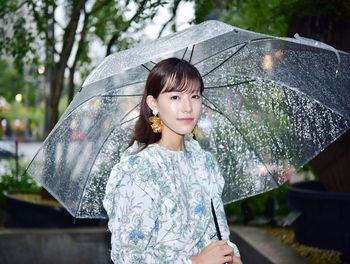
(217, 252)
(236, 260)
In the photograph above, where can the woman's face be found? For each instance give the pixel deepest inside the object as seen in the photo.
(179, 111)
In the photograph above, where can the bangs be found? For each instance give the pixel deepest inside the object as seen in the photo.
(187, 82)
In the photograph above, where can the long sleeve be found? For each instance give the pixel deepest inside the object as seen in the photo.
(224, 228)
(134, 223)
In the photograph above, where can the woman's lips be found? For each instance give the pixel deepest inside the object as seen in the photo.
(186, 119)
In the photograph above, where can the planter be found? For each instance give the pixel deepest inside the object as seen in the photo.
(23, 213)
(55, 246)
(324, 220)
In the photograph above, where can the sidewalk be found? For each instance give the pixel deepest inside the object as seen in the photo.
(25, 149)
(28, 149)
(257, 246)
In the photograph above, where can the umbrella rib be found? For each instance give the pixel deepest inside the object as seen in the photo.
(309, 96)
(122, 86)
(144, 66)
(220, 64)
(129, 112)
(183, 56)
(97, 154)
(36, 154)
(230, 47)
(240, 132)
(120, 95)
(101, 95)
(129, 120)
(230, 84)
(216, 53)
(192, 53)
(41, 147)
(295, 89)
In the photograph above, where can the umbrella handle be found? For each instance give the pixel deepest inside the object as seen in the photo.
(218, 233)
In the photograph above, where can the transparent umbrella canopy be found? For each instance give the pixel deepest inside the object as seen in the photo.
(269, 104)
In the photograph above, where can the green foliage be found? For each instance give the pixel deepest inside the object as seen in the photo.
(16, 41)
(23, 184)
(12, 183)
(258, 203)
(337, 8)
(32, 34)
(266, 16)
(203, 9)
(14, 82)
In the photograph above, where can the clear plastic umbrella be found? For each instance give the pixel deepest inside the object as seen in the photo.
(269, 104)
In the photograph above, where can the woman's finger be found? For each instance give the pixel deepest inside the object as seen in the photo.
(228, 259)
(236, 260)
(220, 242)
(226, 250)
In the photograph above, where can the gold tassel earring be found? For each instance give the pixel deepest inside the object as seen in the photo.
(156, 123)
(195, 131)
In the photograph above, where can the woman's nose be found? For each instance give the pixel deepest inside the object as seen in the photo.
(186, 105)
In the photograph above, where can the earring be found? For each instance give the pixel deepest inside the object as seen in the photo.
(156, 123)
(195, 131)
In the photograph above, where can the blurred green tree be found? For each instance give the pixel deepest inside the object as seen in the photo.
(13, 82)
(57, 37)
(264, 16)
(317, 19)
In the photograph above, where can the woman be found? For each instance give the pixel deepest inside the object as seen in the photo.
(158, 197)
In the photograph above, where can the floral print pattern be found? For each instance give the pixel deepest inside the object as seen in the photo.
(158, 203)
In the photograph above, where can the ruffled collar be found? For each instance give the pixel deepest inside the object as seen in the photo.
(191, 147)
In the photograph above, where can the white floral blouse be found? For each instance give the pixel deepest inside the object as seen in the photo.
(158, 203)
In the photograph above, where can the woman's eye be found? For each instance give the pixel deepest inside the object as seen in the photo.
(196, 96)
(175, 97)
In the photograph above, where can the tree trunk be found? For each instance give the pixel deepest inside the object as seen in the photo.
(56, 84)
(50, 58)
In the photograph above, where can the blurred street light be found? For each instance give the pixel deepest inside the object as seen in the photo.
(4, 123)
(4, 106)
(41, 70)
(267, 62)
(18, 98)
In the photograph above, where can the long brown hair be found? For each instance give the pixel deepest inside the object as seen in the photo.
(168, 75)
